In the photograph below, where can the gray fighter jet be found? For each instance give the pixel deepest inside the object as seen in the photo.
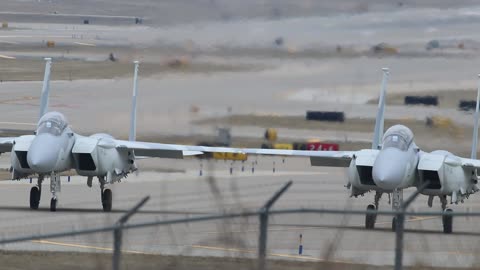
(56, 148)
(393, 164)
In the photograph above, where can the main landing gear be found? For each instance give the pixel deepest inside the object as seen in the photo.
(371, 217)
(447, 221)
(106, 195)
(35, 193)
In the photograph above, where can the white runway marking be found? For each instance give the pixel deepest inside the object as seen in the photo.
(18, 123)
(7, 57)
(30, 36)
(67, 15)
(85, 44)
(9, 42)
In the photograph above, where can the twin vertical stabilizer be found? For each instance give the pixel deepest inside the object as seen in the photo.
(133, 118)
(475, 124)
(45, 88)
(379, 121)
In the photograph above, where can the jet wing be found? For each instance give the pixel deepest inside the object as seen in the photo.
(317, 158)
(160, 150)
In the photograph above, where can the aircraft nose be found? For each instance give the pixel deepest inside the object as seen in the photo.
(43, 153)
(389, 168)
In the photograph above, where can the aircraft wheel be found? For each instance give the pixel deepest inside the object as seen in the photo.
(370, 218)
(394, 224)
(53, 205)
(107, 200)
(34, 197)
(447, 222)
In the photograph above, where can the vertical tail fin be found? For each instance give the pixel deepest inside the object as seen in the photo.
(45, 88)
(133, 118)
(378, 132)
(475, 124)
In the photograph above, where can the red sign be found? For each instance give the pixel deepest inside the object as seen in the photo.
(318, 146)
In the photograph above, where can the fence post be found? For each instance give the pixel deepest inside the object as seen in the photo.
(262, 240)
(117, 233)
(399, 226)
(117, 247)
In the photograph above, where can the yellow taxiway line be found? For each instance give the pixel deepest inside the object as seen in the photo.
(55, 243)
(63, 244)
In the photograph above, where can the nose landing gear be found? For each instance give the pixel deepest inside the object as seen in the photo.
(397, 201)
(55, 186)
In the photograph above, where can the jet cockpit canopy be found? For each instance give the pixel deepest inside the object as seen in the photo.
(399, 137)
(53, 123)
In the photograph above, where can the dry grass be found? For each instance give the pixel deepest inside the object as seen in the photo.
(14, 260)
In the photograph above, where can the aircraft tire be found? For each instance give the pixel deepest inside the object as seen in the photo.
(107, 200)
(370, 218)
(34, 197)
(447, 222)
(53, 205)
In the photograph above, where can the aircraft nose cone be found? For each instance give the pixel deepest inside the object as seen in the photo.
(389, 168)
(43, 154)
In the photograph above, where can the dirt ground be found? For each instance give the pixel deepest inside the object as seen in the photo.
(65, 260)
(68, 69)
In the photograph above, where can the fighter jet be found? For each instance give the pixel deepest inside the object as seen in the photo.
(56, 148)
(393, 164)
